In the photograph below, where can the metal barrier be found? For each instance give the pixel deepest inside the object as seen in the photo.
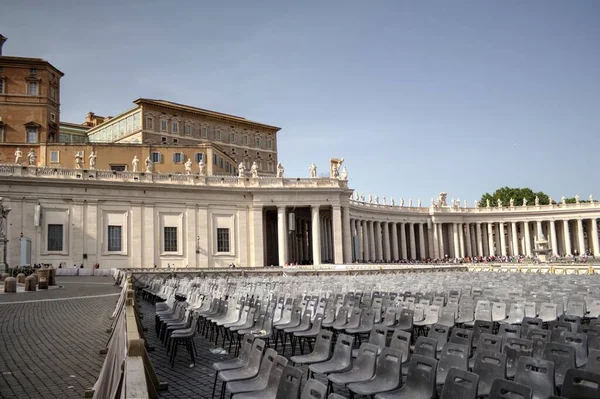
(127, 371)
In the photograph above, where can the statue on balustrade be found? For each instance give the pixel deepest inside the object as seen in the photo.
(148, 164)
(401, 201)
(202, 167)
(476, 204)
(313, 170)
(32, 157)
(280, 169)
(410, 202)
(78, 160)
(370, 199)
(188, 166)
(377, 199)
(383, 201)
(563, 200)
(362, 197)
(393, 202)
(241, 170)
(591, 198)
(487, 203)
(458, 202)
(537, 201)
(577, 199)
(92, 159)
(432, 202)
(335, 172)
(135, 163)
(452, 203)
(442, 199)
(18, 156)
(512, 202)
(524, 201)
(499, 203)
(465, 204)
(419, 202)
(254, 169)
(550, 200)
(344, 174)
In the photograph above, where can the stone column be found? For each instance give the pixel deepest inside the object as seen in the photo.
(595, 243)
(441, 240)
(492, 250)
(539, 232)
(346, 235)
(379, 237)
(338, 244)
(502, 239)
(316, 234)
(372, 241)
(366, 241)
(282, 244)
(580, 239)
(567, 236)
(361, 237)
(515, 238)
(461, 239)
(553, 237)
(436, 244)
(479, 239)
(456, 240)
(386, 241)
(413, 241)
(403, 240)
(527, 239)
(394, 241)
(422, 241)
(469, 242)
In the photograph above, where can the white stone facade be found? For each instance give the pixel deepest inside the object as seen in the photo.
(127, 219)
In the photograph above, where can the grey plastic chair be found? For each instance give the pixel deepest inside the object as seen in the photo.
(420, 382)
(529, 322)
(563, 357)
(593, 363)
(363, 368)
(481, 327)
(240, 361)
(463, 337)
(440, 334)
(539, 339)
(538, 374)
(320, 352)
(581, 384)
(489, 366)
(353, 320)
(460, 384)
(556, 328)
(341, 359)
(401, 341)
(453, 355)
(303, 326)
(250, 370)
(377, 337)
(515, 348)
(289, 383)
(307, 335)
(270, 390)
(405, 320)
(314, 390)
(509, 389)
(262, 378)
(573, 320)
(336, 396)
(579, 342)
(510, 331)
(387, 375)
(367, 320)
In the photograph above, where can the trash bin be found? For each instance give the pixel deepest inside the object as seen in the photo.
(43, 277)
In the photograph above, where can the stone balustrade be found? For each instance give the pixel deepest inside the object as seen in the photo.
(172, 178)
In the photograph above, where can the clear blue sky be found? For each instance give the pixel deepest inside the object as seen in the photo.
(418, 97)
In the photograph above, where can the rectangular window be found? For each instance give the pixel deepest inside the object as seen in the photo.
(175, 127)
(215, 159)
(270, 144)
(178, 157)
(114, 239)
(163, 140)
(118, 168)
(245, 140)
(188, 130)
(221, 162)
(218, 135)
(204, 132)
(257, 141)
(163, 125)
(1, 134)
(53, 93)
(232, 137)
(33, 71)
(54, 157)
(55, 237)
(155, 157)
(32, 135)
(122, 126)
(1, 86)
(170, 239)
(53, 117)
(175, 141)
(32, 88)
(198, 157)
(222, 240)
(149, 123)
(129, 127)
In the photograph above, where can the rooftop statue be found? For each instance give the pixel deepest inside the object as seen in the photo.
(401, 201)
(313, 170)
(487, 203)
(188, 166)
(563, 200)
(92, 159)
(419, 202)
(362, 197)
(280, 169)
(18, 156)
(149, 164)
(383, 201)
(202, 167)
(344, 175)
(537, 201)
(524, 201)
(591, 198)
(32, 157)
(78, 160)
(393, 202)
(499, 203)
(577, 199)
(376, 199)
(410, 203)
(512, 202)
(370, 199)
(135, 163)
(476, 204)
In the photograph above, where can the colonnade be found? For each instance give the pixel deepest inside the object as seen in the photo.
(387, 241)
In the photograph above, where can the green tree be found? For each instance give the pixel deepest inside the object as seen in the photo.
(505, 194)
(572, 200)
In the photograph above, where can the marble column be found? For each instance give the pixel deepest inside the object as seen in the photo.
(515, 238)
(422, 242)
(436, 239)
(502, 239)
(580, 239)
(492, 250)
(567, 237)
(361, 248)
(479, 239)
(595, 243)
(456, 252)
(395, 255)
(527, 239)
(441, 241)
(346, 236)
(316, 234)
(282, 244)
(469, 242)
(461, 239)
(366, 241)
(403, 240)
(386, 242)
(372, 253)
(379, 240)
(553, 237)
(539, 230)
(413, 241)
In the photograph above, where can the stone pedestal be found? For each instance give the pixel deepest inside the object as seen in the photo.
(542, 251)
(43, 275)
(20, 278)
(3, 276)
(10, 285)
(31, 283)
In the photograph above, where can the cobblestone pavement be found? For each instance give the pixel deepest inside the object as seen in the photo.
(49, 346)
(194, 382)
